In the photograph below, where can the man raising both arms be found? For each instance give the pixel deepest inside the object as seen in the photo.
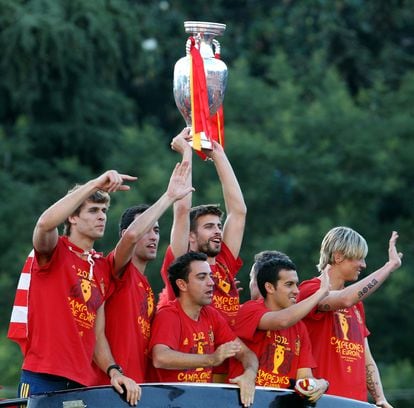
(204, 232)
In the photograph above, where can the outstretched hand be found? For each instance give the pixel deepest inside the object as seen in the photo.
(112, 181)
(246, 382)
(177, 187)
(324, 278)
(394, 257)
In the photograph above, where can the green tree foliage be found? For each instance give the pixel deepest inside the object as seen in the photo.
(318, 115)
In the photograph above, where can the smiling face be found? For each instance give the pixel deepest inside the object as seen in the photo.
(284, 293)
(349, 269)
(146, 248)
(207, 236)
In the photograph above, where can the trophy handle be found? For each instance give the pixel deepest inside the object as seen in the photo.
(188, 47)
(217, 47)
(214, 42)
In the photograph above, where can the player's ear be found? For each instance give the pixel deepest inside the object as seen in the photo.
(270, 288)
(182, 284)
(338, 257)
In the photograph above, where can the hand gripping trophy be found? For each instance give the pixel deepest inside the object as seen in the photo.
(200, 80)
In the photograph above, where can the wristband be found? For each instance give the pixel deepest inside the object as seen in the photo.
(115, 367)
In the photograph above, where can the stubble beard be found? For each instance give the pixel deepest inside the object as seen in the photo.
(209, 250)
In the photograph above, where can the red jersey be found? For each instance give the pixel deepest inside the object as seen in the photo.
(280, 352)
(225, 294)
(63, 302)
(175, 329)
(338, 343)
(128, 315)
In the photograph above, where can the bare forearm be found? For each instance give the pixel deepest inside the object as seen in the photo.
(248, 360)
(181, 224)
(287, 317)
(180, 230)
(233, 196)
(102, 355)
(147, 219)
(176, 360)
(371, 283)
(62, 209)
(358, 291)
(236, 209)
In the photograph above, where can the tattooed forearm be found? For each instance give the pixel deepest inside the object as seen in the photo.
(373, 384)
(324, 307)
(366, 289)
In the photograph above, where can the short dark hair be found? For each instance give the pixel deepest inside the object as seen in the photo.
(267, 255)
(99, 197)
(129, 214)
(180, 268)
(268, 271)
(205, 209)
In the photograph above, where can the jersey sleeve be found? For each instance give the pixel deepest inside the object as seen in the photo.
(166, 329)
(308, 288)
(248, 319)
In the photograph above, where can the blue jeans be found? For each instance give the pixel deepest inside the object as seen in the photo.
(36, 383)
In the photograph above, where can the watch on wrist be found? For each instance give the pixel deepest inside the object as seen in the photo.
(114, 367)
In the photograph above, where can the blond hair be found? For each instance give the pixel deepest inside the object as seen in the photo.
(345, 241)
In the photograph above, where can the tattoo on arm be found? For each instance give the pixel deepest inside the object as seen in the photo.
(362, 293)
(372, 381)
(324, 307)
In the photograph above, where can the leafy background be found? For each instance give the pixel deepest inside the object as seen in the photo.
(319, 129)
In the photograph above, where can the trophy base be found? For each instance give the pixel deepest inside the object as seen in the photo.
(205, 143)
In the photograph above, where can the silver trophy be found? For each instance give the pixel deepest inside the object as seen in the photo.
(216, 71)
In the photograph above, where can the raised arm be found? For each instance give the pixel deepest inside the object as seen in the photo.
(281, 319)
(181, 224)
(177, 189)
(360, 290)
(45, 234)
(236, 210)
